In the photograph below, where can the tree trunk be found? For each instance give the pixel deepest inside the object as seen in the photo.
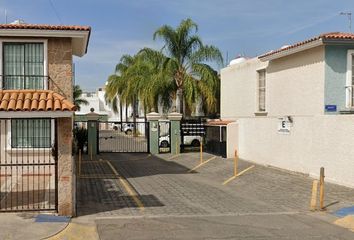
(126, 112)
(134, 116)
(179, 101)
(145, 120)
(121, 115)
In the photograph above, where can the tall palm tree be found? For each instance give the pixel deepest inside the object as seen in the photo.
(118, 86)
(186, 60)
(78, 101)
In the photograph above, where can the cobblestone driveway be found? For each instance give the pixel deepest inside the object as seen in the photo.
(166, 188)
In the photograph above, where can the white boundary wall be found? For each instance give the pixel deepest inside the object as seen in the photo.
(313, 142)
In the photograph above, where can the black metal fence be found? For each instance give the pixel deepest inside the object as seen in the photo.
(123, 137)
(28, 165)
(192, 134)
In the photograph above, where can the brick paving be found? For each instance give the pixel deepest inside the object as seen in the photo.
(167, 189)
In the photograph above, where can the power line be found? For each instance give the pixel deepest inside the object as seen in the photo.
(55, 11)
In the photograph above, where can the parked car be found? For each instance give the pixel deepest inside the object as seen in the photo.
(194, 141)
(128, 128)
(116, 126)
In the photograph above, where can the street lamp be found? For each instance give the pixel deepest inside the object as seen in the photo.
(349, 15)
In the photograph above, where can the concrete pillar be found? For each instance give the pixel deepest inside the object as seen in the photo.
(153, 119)
(175, 119)
(92, 131)
(66, 183)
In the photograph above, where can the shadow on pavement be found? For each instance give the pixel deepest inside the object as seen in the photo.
(102, 195)
(140, 165)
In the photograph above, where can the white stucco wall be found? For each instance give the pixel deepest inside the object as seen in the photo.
(232, 138)
(313, 142)
(294, 87)
(238, 89)
(295, 84)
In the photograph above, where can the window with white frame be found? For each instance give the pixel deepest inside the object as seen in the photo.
(261, 91)
(31, 133)
(350, 80)
(23, 65)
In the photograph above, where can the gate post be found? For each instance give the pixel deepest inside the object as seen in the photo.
(153, 119)
(175, 137)
(92, 130)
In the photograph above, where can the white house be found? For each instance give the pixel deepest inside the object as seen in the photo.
(292, 107)
(97, 101)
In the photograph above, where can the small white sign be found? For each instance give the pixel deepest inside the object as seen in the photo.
(284, 126)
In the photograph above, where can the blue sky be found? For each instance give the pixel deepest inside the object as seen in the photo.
(248, 27)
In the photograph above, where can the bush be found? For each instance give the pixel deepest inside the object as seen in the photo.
(80, 136)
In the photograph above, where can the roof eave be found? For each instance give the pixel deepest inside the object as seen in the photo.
(290, 51)
(81, 38)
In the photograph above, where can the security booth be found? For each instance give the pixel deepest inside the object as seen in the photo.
(215, 137)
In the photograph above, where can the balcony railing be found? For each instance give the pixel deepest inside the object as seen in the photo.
(24, 82)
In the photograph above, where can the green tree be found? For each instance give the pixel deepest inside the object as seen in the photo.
(186, 61)
(78, 101)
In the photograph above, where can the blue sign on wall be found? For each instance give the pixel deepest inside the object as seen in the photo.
(331, 108)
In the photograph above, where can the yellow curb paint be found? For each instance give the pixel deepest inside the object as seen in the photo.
(346, 222)
(75, 231)
(127, 186)
(233, 177)
(229, 180)
(201, 164)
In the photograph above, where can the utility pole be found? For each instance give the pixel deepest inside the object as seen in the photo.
(349, 15)
(5, 16)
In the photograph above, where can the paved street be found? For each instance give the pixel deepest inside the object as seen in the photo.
(160, 199)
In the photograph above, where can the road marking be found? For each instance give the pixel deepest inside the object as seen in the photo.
(132, 193)
(233, 177)
(201, 164)
(174, 156)
(346, 222)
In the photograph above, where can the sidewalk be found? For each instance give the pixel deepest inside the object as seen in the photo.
(21, 226)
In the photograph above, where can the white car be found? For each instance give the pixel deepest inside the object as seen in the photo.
(194, 141)
(127, 128)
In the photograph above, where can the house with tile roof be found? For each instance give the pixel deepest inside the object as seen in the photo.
(293, 108)
(36, 116)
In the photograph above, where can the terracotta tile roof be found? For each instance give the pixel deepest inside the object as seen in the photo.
(324, 37)
(45, 27)
(33, 100)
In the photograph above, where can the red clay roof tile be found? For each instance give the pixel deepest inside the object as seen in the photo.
(324, 36)
(33, 100)
(46, 27)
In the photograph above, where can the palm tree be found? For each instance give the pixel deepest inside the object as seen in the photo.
(118, 86)
(186, 58)
(78, 101)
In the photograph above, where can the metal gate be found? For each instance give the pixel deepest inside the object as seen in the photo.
(123, 137)
(216, 140)
(28, 165)
(164, 136)
(192, 134)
